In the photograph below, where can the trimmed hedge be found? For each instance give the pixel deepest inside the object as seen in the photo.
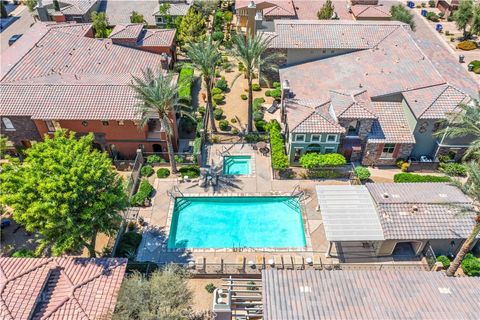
(191, 171)
(260, 125)
(154, 159)
(144, 192)
(185, 84)
(362, 173)
(243, 96)
(223, 124)
(317, 160)
(471, 265)
(279, 158)
(163, 173)
(411, 177)
(218, 98)
(444, 260)
(453, 169)
(216, 91)
(218, 113)
(276, 93)
(147, 171)
(256, 87)
(222, 84)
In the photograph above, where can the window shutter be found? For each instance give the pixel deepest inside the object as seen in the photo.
(379, 150)
(396, 151)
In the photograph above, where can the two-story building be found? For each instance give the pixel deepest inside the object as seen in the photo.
(67, 11)
(59, 77)
(364, 89)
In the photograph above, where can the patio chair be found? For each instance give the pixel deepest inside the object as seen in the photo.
(265, 151)
(260, 262)
(200, 264)
(240, 262)
(288, 262)
(278, 262)
(298, 261)
(274, 107)
(317, 263)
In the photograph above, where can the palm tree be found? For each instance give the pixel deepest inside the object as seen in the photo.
(465, 123)
(206, 57)
(159, 96)
(251, 52)
(472, 189)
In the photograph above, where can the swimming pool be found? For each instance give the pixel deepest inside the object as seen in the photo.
(232, 222)
(237, 165)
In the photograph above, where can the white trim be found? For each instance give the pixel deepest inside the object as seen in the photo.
(315, 135)
(298, 135)
(330, 135)
(8, 124)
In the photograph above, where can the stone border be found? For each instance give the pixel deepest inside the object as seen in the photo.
(306, 227)
(253, 164)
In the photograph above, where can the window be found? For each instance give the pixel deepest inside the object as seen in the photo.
(387, 151)
(353, 128)
(329, 150)
(105, 122)
(8, 124)
(331, 138)
(315, 138)
(50, 125)
(299, 137)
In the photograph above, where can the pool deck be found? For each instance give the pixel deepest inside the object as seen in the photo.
(153, 246)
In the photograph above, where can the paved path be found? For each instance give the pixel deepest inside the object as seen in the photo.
(20, 26)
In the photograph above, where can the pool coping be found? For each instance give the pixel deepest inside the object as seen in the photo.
(252, 165)
(306, 227)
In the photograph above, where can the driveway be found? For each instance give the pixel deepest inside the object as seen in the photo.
(19, 26)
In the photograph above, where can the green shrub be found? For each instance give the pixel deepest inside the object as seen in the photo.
(431, 3)
(217, 36)
(467, 45)
(241, 67)
(218, 98)
(24, 253)
(260, 125)
(277, 85)
(268, 93)
(257, 104)
(252, 138)
(471, 265)
(258, 115)
(153, 159)
(444, 260)
(163, 173)
(453, 169)
(279, 158)
(234, 131)
(276, 93)
(223, 124)
(256, 87)
(201, 110)
(210, 287)
(144, 192)
(475, 63)
(218, 113)
(233, 120)
(147, 171)
(129, 244)
(411, 177)
(179, 159)
(432, 16)
(316, 160)
(216, 91)
(185, 84)
(362, 173)
(243, 96)
(222, 84)
(192, 171)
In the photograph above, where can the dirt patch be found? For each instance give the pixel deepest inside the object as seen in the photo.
(202, 300)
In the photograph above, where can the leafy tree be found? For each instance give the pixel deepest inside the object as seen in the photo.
(136, 17)
(472, 189)
(465, 123)
(251, 51)
(192, 28)
(65, 191)
(157, 95)
(206, 57)
(400, 13)
(164, 10)
(100, 24)
(164, 295)
(475, 25)
(3, 145)
(326, 11)
(23, 253)
(205, 7)
(463, 15)
(31, 4)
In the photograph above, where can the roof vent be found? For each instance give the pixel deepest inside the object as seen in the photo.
(414, 208)
(385, 195)
(442, 195)
(444, 290)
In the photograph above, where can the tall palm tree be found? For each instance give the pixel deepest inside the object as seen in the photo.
(159, 96)
(206, 57)
(251, 52)
(472, 189)
(466, 122)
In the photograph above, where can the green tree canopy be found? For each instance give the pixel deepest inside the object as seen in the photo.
(165, 295)
(31, 4)
(65, 191)
(463, 14)
(400, 13)
(100, 24)
(192, 28)
(475, 25)
(326, 11)
(136, 17)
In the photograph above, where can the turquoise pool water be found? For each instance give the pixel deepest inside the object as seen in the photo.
(237, 165)
(227, 222)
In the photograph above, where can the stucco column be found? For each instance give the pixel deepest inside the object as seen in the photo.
(329, 249)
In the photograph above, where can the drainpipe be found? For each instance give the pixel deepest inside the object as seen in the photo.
(440, 143)
(329, 250)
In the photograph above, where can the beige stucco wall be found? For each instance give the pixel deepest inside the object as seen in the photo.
(296, 56)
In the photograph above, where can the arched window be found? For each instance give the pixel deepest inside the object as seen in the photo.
(8, 123)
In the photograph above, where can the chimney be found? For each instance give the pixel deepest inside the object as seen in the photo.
(251, 21)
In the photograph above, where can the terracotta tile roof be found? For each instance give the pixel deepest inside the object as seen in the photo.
(59, 288)
(391, 125)
(309, 117)
(368, 294)
(422, 210)
(68, 76)
(434, 102)
(176, 8)
(126, 31)
(368, 11)
(160, 37)
(71, 7)
(307, 9)
(353, 104)
(331, 34)
(118, 12)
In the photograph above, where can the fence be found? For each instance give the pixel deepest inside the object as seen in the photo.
(423, 166)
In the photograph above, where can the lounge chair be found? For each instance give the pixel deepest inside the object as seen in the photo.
(241, 264)
(317, 263)
(200, 264)
(260, 262)
(288, 262)
(274, 107)
(278, 262)
(298, 261)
